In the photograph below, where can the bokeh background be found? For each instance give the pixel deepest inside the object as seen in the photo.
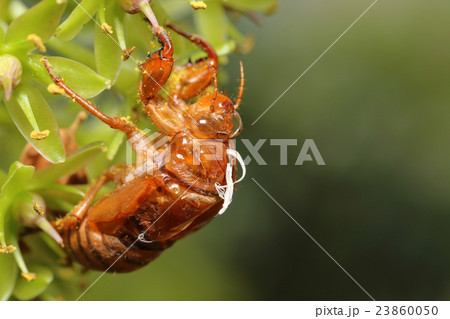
(378, 108)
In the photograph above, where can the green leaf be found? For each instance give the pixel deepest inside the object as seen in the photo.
(18, 178)
(53, 245)
(73, 163)
(138, 31)
(8, 267)
(63, 190)
(24, 102)
(114, 145)
(72, 50)
(77, 76)
(107, 49)
(59, 204)
(16, 9)
(8, 276)
(42, 20)
(266, 6)
(25, 290)
(226, 48)
(12, 230)
(244, 43)
(159, 11)
(78, 18)
(212, 23)
(67, 194)
(5, 204)
(30, 112)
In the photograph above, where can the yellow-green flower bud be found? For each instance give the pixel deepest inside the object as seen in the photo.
(10, 73)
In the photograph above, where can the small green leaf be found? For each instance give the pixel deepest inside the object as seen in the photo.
(8, 276)
(64, 190)
(78, 18)
(24, 102)
(42, 20)
(138, 31)
(26, 290)
(226, 48)
(72, 50)
(107, 49)
(53, 245)
(159, 11)
(114, 145)
(59, 204)
(8, 267)
(16, 9)
(12, 230)
(30, 112)
(5, 205)
(18, 177)
(17, 181)
(212, 23)
(61, 198)
(77, 76)
(73, 163)
(244, 43)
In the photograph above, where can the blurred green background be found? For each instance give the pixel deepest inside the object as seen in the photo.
(377, 106)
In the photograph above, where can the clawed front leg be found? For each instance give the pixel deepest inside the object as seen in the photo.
(187, 81)
(191, 79)
(157, 68)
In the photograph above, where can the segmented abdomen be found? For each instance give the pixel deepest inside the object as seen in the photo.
(98, 251)
(115, 246)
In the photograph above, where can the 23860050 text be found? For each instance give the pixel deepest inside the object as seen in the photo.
(352, 312)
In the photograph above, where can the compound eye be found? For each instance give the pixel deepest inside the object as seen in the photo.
(225, 106)
(211, 125)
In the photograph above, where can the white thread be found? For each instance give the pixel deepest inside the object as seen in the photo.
(141, 239)
(226, 191)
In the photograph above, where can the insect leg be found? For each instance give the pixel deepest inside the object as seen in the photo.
(114, 122)
(241, 88)
(114, 174)
(134, 135)
(191, 79)
(205, 46)
(166, 117)
(157, 68)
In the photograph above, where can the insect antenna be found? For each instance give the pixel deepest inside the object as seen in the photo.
(216, 90)
(241, 89)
